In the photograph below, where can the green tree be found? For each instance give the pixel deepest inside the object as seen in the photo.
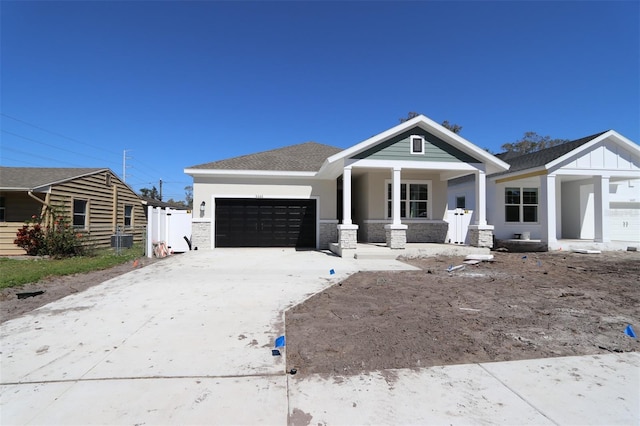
(188, 196)
(151, 193)
(455, 128)
(531, 142)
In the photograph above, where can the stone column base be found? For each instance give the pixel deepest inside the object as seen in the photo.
(347, 236)
(481, 236)
(396, 236)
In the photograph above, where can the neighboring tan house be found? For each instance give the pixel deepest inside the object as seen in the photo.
(583, 193)
(390, 188)
(94, 200)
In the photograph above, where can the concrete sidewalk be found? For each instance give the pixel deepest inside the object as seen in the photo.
(188, 341)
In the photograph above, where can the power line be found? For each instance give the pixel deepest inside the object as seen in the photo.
(31, 154)
(55, 133)
(74, 140)
(52, 146)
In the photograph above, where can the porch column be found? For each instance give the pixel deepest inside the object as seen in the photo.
(347, 231)
(395, 195)
(481, 198)
(601, 201)
(346, 196)
(396, 232)
(481, 234)
(547, 210)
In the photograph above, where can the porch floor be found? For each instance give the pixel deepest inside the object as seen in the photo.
(572, 244)
(381, 251)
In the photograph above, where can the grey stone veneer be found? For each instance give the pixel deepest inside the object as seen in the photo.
(328, 234)
(428, 232)
(481, 237)
(201, 235)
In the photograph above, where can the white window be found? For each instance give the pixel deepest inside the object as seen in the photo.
(128, 210)
(414, 200)
(80, 214)
(521, 204)
(417, 144)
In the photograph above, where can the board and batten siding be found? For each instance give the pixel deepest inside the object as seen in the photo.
(399, 148)
(106, 200)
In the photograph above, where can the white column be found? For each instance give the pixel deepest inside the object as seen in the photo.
(346, 196)
(481, 198)
(547, 209)
(395, 196)
(601, 201)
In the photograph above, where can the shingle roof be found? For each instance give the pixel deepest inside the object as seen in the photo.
(542, 157)
(308, 156)
(35, 177)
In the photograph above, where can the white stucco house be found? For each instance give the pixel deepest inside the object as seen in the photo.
(582, 193)
(418, 182)
(391, 188)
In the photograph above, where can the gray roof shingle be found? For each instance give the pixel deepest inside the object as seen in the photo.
(35, 177)
(542, 157)
(304, 157)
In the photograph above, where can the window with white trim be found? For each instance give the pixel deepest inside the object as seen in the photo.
(417, 144)
(414, 199)
(80, 214)
(521, 204)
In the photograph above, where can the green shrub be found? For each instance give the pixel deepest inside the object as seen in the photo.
(57, 240)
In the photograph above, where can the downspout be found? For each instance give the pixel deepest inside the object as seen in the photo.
(44, 203)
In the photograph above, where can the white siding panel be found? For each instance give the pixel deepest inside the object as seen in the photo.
(625, 223)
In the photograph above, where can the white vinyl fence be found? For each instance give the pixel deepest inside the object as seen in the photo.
(168, 231)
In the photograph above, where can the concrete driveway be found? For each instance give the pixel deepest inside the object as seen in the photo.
(188, 341)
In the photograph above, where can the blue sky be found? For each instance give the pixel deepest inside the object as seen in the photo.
(184, 83)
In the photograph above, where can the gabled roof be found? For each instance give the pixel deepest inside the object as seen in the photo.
(304, 157)
(542, 157)
(29, 178)
(491, 163)
(550, 158)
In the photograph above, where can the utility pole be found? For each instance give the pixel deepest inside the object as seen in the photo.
(160, 189)
(124, 164)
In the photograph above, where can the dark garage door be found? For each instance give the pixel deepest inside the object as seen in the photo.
(265, 223)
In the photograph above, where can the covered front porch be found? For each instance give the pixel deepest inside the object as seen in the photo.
(396, 206)
(392, 188)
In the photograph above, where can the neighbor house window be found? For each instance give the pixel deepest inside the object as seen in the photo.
(127, 216)
(80, 214)
(414, 200)
(461, 202)
(521, 204)
(2, 217)
(417, 145)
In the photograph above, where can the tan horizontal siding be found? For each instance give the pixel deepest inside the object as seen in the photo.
(8, 231)
(105, 203)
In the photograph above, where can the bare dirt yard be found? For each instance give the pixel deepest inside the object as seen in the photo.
(521, 306)
(58, 287)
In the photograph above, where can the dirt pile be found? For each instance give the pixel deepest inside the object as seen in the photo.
(520, 306)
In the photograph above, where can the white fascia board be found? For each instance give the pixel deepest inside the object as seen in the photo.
(612, 134)
(518, 173)
(249, 173)
(425, 123)
(414, 165)
(625, 174)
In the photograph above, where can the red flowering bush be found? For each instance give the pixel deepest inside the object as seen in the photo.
(31, 237)
(57, 240)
